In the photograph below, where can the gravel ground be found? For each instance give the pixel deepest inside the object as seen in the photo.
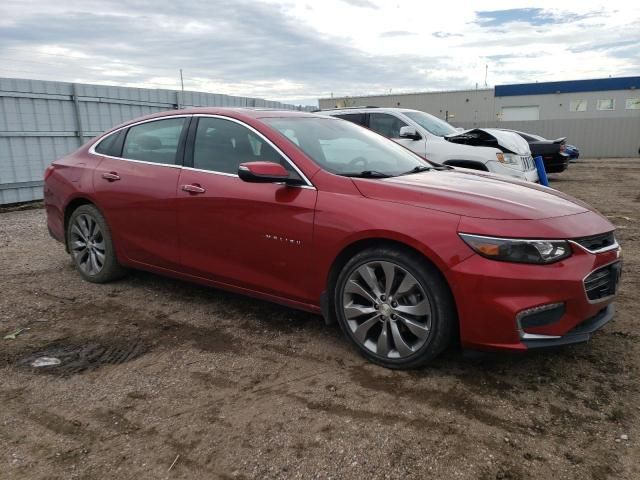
(200, 383)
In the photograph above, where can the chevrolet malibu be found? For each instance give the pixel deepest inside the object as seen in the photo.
(323, 215)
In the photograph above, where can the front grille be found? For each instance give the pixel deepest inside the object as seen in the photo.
(597, 242)
(527, 162)
(603, 282)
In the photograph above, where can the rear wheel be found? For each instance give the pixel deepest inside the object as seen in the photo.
(91, 247)
(394, 307)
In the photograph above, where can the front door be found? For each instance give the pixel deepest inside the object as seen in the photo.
(252, 235)
(137, 193)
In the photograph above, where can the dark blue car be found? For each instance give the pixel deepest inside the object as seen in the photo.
(572, 151)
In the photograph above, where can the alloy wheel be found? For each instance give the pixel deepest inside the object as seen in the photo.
(87, 244)
(386, 309)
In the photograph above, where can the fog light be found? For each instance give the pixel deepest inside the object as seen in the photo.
(539, 317)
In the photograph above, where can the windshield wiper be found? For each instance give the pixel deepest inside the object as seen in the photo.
(367, 174)
(417, 169)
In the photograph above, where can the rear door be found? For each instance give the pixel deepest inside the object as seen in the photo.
(254, 235)
(136, 191)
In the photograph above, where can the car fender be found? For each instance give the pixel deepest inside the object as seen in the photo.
(431, 233)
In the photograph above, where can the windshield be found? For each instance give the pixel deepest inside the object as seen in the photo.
(343, 148)
(431, 124)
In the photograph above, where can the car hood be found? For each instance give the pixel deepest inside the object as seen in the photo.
(472, 194)
(507, 140)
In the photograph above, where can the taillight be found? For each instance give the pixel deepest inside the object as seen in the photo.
(48, 171)
(562, 146)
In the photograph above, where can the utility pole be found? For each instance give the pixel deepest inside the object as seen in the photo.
(181, 102)
(486, 70)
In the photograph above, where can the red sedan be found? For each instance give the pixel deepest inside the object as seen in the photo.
(323, 215)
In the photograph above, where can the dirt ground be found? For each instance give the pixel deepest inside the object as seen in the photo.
(199, 383)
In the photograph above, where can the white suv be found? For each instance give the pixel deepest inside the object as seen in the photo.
(487, 149)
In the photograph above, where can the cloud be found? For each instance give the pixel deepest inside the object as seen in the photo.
(248, 52)
(361, 3)
(607, 46)
(532, 16)
(396, 33)
(285, 50)
(446, 34)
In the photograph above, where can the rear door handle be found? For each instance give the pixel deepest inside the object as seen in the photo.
(193, 188)
(111, 176)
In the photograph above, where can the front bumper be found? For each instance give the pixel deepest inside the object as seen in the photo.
(579, 334)
(501, 169)
(491, 296)
(555, 163)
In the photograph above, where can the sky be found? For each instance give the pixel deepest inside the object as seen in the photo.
(299, 51)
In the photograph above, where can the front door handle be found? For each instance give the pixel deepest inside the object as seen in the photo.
(111, 176)
(193, 188)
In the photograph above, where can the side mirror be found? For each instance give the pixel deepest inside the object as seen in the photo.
(262, 172)
(409, 132)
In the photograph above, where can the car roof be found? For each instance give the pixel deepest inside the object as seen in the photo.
(368, 108)
(238, 113)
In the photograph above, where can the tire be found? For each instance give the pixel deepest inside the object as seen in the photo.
(406, 329)
(91, 247)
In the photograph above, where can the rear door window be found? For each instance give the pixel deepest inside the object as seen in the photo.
(357, 118)
(155, 142)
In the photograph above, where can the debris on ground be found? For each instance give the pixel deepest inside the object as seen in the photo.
(13, 335)
(45, 362)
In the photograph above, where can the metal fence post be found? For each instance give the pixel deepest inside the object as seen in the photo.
(76, 108)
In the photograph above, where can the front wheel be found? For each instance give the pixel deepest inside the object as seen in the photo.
(91, 247)
(395, 307)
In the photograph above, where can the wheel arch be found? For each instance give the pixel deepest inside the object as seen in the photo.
(355, 246)
(71, 207)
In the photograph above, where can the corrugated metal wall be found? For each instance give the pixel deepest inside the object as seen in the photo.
(596, 133)
(41, 121)
(595, 137)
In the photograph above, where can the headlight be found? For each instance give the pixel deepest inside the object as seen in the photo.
(508, 158)
(518, 250)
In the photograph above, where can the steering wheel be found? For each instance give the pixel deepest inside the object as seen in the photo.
(354, 163)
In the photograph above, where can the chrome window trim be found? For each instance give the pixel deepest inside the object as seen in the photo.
(92, 148)
(213, 172)
(225, 174)
(260, 135)
(603, 299)
(168, 165)
(614, 246)
(92, 151)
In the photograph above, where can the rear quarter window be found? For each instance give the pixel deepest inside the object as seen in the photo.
(111, 145)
